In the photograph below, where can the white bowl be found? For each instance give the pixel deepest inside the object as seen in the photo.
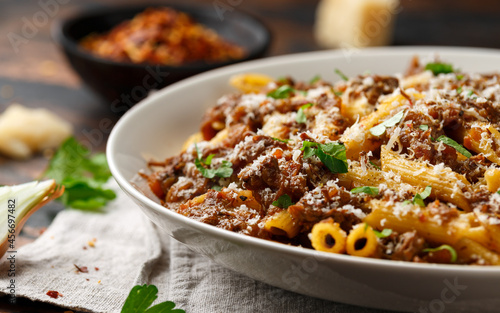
(159, 125)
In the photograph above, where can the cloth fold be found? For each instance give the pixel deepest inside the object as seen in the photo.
(121, 248)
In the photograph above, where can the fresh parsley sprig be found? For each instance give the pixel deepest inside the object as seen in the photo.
(380, 128)
(225, 169)
(373, 191)
(452, 143)
(342, 75)
(332, 155)
(420, 197)
(140, 299)
(386, 232)
(284, 201)
(282, 92)
(82, 174)
(450, 249)
(301, 117)
(439, 68)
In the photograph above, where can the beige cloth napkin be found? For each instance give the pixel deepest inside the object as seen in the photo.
(122, 248)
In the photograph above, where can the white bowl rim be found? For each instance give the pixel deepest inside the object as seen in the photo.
(267, 244)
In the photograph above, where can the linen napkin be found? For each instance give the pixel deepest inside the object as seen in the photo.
(94, 259)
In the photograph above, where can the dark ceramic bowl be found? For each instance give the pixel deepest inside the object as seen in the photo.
(124, 84)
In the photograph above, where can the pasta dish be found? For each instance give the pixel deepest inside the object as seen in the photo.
(403, 167)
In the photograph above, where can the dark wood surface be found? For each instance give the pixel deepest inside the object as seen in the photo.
(37, 75)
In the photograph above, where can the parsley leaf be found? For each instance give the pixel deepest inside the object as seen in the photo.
(140, 299)
(225, 170)
(342, 75)
(333, 154)
(83, 176)
(498, 192)
(375, 166)
(314, 79)
(420, 197)
(470, 93)
(386, 232)
(424, 127)
(460, 77)
(452, 143)
(439, 68)
(380, 128)
(366, 189)
(284, 201)
(459, 90)
(281, 140)
(444, 247)
(338, 93)
(301, 116)
(282, 92)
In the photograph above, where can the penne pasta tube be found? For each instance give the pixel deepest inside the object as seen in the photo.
(470, 251)
(483, 138)
(282, 224)
(446, 184)
(328, 236)
(362, 241)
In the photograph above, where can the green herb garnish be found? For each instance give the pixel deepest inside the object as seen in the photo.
(439, 68)
(314, 79)
(281, 140)
(386, 232)
(375, 166)
(380, 128)
(225, 170)
(140, 299)
(338, 93)
(216, 187)
(444, 247)
(459, 90)
(373, 191)
(342, 75)
(301, 116)
(282, 92)
(424, 127)
(420, 197)
(452, 143)
(284, 201)
(460, 77)
(83, 176)
(470, 93)
(333, 155)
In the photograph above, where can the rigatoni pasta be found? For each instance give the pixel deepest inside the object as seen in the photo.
(392, 167)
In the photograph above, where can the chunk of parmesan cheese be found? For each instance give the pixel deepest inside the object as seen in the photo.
(355, 23)
(25, 131)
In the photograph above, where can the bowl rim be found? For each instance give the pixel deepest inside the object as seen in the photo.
(59, 34)
(331, 258)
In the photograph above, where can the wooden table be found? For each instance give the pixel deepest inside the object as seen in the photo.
(35, 73)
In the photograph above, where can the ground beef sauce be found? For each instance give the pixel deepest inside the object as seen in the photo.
(250, 157)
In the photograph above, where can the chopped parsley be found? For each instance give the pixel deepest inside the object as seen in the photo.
(342, 75)
(281, 140)
(386, 232)
(380, 128)
(439, 68)
(225, 170)
(82, 174)
(284, 201)
(373, 191)
(470, 93)
(140, 299)
(282, 92)
(452, 251)
(459, 90)
(301, 116)
(375, 166)
(314, 79)
(424, 127)
(216, 187)
(420, 197)
(333, 155)
(460, 77)
(452, 143)
(338, 93)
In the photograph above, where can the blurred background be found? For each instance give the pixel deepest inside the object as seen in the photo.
(35, 73)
